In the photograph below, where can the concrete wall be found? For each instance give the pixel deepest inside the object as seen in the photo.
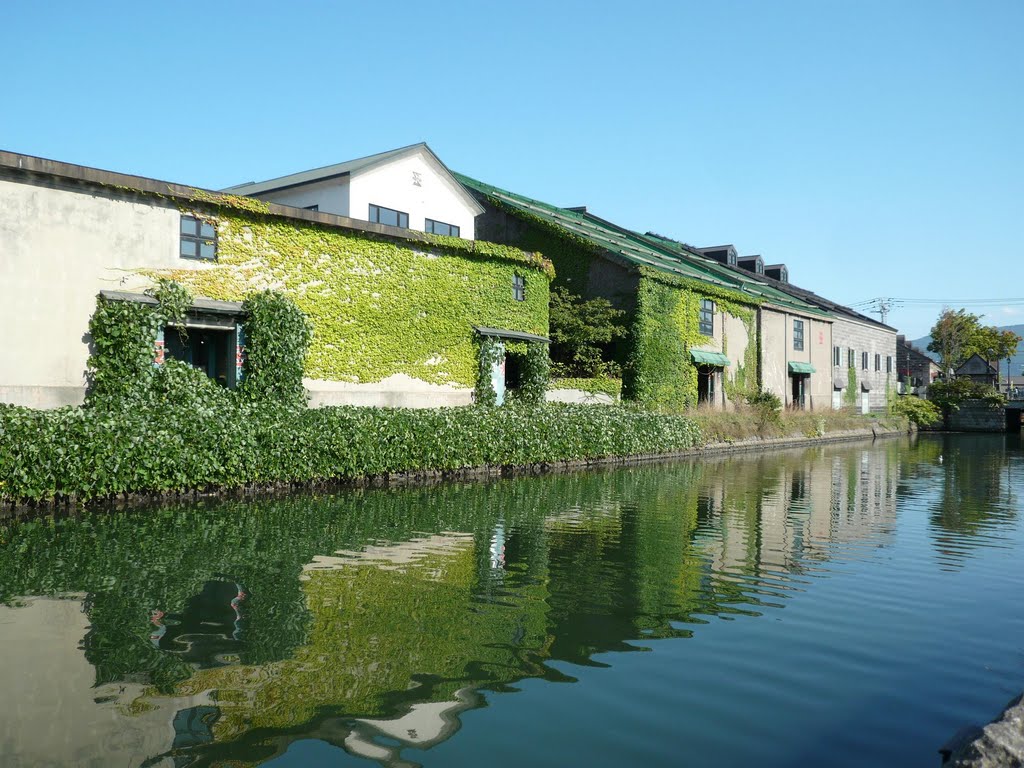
(777, 353)
(729, 336)
(58, 249)
(329, 196)
(61, 245)
(975, 416)
(875, 340)
(393, 185)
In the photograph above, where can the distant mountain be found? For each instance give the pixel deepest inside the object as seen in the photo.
(1016, 362)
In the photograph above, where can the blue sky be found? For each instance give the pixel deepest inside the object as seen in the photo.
(873, 146)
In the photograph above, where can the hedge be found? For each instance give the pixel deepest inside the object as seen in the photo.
(94, 453)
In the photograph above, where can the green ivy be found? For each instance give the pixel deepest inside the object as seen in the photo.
(536, 374)
(277, 338)
(660, 372)
(851, 387)
(377, 306)
(490, 354)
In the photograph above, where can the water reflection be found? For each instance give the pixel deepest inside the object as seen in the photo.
(201, 634)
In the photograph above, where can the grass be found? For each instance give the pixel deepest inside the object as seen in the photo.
(747, 422)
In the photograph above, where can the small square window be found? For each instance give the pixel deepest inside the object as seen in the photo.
(706, 321)
(798, 335)
(519, 288)
(198, 239)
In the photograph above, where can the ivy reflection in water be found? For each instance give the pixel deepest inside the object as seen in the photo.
(372, 619)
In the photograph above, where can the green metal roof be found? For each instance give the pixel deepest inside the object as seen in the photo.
(709, 358)
(795, 367)
(636, 250)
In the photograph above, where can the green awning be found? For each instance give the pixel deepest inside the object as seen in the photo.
(801, 368)
(708, 358)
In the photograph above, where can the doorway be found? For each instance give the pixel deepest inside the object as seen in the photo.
(799, 390)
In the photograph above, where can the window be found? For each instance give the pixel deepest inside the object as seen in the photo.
(798, 334)
(888, 364)
(518, 287)
(878, 362)
(198, 239)
(440, 228)
(851, 357)
(706, 325)
(864, 360)
(837, 356)
(381, 215)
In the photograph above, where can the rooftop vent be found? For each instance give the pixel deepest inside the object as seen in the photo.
(777, 272)
(577, 209)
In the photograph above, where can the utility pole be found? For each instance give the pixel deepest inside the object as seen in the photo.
(884, 305)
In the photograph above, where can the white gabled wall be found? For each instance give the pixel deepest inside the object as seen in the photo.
(392, 185)
(330, 196)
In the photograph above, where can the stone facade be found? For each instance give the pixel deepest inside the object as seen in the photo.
(878, 377)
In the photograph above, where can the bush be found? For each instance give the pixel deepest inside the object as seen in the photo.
(948, 395)
(767, 409)
(93, 453)
(918, 411)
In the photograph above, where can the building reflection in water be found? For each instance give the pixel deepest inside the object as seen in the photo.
(435, 598)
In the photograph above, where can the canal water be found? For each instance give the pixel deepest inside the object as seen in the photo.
(836, 606)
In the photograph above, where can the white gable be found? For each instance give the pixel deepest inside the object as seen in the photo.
(416, 184)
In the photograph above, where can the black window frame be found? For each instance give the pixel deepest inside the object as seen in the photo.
(706, 317)
(864, 361)
(798, 335)
(878, 362)
(197, 237)
(375, 211)
(432, 225)
(851, 358)
(519, 287)
(888, 363)
(837, 356)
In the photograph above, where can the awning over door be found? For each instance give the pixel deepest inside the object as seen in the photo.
(801, 367)
(709, 358)
(502, 333)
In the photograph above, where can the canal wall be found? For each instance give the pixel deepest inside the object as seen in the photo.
(1000, 744)
(977, 416)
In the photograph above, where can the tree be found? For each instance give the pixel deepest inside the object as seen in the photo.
(958, 335)
(580, 334)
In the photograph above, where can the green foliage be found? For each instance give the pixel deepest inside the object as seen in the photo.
(277, 339)
(490, 354)
(535, 374)
(959, 334)
(916, 410)
(659, 372)
(595, 385)
(581, 332)
(767, 409)
(377, 306)
(97, 453)
(949, 394)
(850, 396)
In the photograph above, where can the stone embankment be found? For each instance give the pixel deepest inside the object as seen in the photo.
(1000, 744)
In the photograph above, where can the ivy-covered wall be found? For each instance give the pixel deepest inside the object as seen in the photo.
(378, 306)
(660, 372)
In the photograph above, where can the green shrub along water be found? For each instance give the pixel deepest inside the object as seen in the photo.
(95, 453)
